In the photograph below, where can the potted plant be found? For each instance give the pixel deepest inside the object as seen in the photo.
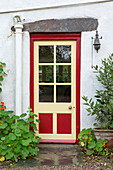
(102, 107)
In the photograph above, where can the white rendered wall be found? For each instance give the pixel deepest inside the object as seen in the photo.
(103, 12)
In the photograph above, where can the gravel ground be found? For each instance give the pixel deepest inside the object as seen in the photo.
(94, 164)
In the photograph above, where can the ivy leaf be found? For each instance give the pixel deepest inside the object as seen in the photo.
(37, 120)
(9, 120)
(31, 114)
(3, 138)
(12, 136)
(16, 117)
(13, 126)
(34, 126)
(30, 119)
(23, 115)
(17, 132)
(0, 89)
(4, 152)
(26, 128)
(26, 142)
(18, 149)
(1, 69)
(111, 126)
(4, 64)
(1, 78)
(9, 155)
(3, 126)
(89, 152)
(94, 124)
(5, 131)
(105, 141)
(103, 153)
(25, 153)
(35, 115)
(85, 136)
(91, 145)
(3, 146)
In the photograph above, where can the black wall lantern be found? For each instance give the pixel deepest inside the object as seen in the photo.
(97, 42)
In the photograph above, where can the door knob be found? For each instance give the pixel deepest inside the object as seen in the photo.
(70, 107)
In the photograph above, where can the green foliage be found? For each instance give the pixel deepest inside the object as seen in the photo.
(88, 141)
(103, 107)
(2, 74)
(16, 139)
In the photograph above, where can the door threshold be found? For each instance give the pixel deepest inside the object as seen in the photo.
(56, 141)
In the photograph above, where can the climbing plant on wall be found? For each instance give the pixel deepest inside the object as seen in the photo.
(2, 74)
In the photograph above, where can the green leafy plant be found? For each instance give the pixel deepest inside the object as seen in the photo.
(103, 107)
(16, 139)
(92, 147)
(2, 74)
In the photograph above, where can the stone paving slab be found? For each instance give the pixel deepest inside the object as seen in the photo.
(54, 155)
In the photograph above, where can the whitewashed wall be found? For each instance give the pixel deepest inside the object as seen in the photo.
(102, 11)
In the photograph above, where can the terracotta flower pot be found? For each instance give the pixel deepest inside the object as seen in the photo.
(104, 134)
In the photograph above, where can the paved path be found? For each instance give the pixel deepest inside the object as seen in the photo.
(62, 157)
(54, 155)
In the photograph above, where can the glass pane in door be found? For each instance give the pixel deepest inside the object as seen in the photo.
(63, 93)
(46, 54)
(63, 74)
(46, 93)
(46, 74)
(63, 54)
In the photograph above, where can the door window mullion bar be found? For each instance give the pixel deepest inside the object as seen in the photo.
(54, 73)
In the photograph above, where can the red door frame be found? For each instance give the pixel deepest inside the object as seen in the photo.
(57, 36)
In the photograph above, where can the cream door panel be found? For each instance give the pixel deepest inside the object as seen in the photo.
(55, 89)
